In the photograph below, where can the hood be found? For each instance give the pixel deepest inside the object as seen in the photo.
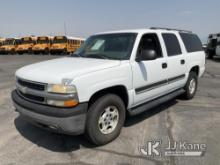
(25, 46)
(53, 71)
(2, 47)
(40, 46)
(7, 47)
(58, 46)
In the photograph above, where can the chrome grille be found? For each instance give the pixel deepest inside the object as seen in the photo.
(30, 85)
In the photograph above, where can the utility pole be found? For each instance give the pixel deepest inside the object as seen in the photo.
(65, 28)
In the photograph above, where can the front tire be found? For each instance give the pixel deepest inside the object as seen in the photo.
(13, 52)
(47, 51)
(105, 119)
(191, 86)
(29, 51)
(64, 52)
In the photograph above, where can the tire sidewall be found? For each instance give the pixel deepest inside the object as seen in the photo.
(192, 75)
(47, 51)
(94, 113)
(29, 50)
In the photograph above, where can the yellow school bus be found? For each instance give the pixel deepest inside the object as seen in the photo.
(26, 45)
(1, 41)
(9, 46)
(65, 45)
(42, 45)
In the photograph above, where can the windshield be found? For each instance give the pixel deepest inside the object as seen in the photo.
(58, 40)
(9, 42)
(42, 40)
(27, 41)
(116, 46)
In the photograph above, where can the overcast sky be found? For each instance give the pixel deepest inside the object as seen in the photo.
(85, 17)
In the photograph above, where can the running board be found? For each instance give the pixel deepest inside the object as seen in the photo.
(153, 103)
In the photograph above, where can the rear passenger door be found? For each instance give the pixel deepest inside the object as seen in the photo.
(176, 61)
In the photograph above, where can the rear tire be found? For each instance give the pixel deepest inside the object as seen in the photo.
(191, 86)
(105, 118)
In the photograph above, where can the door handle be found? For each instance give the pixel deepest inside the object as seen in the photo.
(182, 62)
(164, 65)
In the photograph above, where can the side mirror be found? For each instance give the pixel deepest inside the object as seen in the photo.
(146, 55)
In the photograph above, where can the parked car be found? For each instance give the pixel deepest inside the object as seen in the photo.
(217, 51)
(204, 47)
(113, 75)
(213, 39)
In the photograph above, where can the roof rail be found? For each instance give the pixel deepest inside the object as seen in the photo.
(162, 28)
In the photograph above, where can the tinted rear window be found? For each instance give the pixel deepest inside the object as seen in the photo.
(191, 42)
(172, 44)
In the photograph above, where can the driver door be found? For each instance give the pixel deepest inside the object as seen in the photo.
(149, 77)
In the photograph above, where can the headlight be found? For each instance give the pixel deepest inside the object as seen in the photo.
(62, 89)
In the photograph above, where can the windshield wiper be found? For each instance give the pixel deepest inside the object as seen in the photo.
(96, 56)
(75, 55)
(101, 56)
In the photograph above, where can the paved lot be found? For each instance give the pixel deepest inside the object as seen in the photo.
(194, 121)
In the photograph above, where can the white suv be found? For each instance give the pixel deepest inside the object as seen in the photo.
(111, 75)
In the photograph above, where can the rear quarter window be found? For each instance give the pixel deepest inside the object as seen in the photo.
(191, 42)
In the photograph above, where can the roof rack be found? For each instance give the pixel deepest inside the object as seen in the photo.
(162, 28)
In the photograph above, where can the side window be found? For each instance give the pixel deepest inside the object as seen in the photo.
(191, 42)
(150, 41)
(172, 44)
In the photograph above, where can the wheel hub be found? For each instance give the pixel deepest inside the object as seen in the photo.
(192, 86)
(108, 120)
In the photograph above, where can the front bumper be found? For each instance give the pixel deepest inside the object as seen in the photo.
(54, 51)
(23, 51)
(5, 51)
(62, 120)
(43, 51)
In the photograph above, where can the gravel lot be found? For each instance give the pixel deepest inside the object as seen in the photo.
(194, 121)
